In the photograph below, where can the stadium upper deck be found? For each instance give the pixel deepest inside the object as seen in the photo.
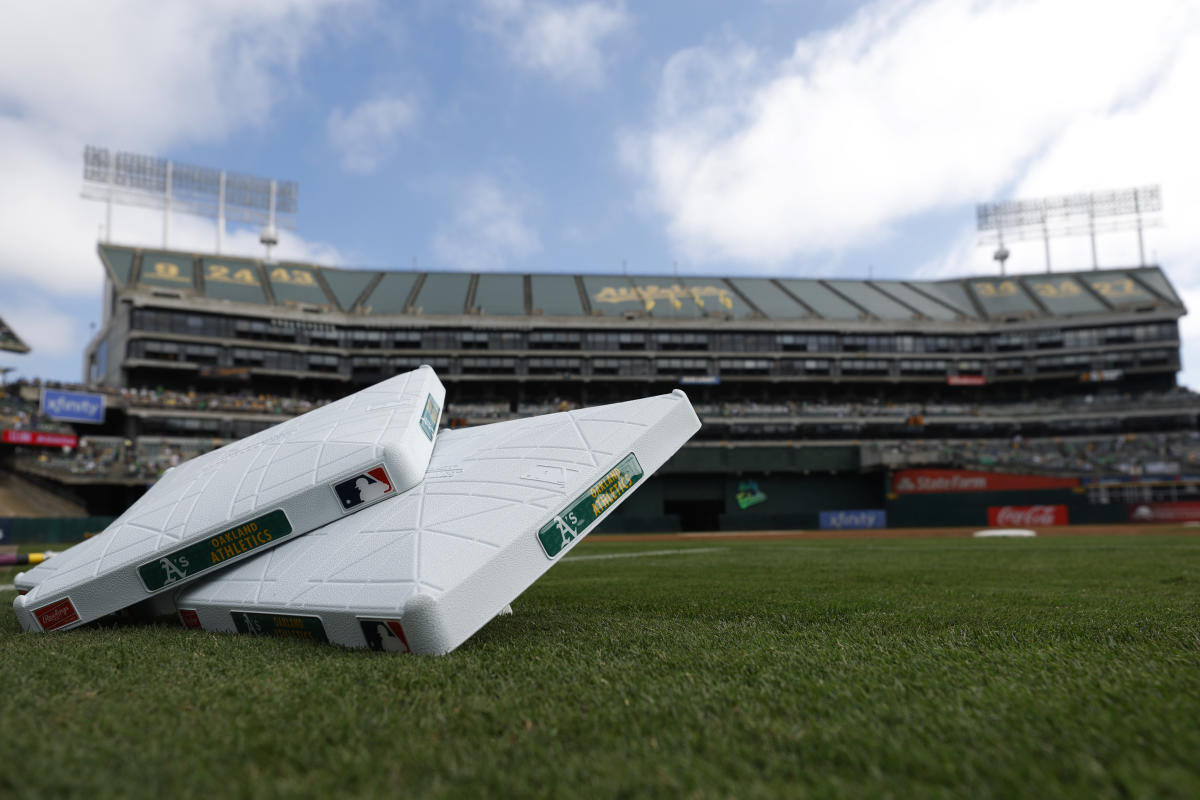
(185, 320)
(360, 297)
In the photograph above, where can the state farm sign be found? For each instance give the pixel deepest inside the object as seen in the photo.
(1027, 516)
(926, 481)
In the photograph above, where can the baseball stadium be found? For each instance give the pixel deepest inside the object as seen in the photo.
(647, 400)
(926, 402)
(793, 604)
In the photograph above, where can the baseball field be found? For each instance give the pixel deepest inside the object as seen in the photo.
(745, 667)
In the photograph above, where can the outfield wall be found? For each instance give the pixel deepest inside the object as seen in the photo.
(783, 489)
(750, 501)
(971, 508)
(50, 530)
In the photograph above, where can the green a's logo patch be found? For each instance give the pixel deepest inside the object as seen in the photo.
(574, 521)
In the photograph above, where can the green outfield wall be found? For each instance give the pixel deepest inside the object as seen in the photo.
(971, 508)
(50, 530)
(786, 488)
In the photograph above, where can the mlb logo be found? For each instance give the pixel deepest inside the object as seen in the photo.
(363, 489)
(385, 635)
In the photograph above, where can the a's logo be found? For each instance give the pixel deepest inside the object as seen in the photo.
(56, 615)
(366, 487)
(748, 494)
(385, 634)
(172, 571)
(575, 520)
(567, 527)
(189, 561)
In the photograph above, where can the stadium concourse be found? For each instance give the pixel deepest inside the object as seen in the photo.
(920, 402)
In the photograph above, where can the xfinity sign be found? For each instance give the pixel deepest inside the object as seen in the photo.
(73, 406)
(853, 520)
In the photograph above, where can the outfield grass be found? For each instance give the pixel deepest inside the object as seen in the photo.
(1066, 666)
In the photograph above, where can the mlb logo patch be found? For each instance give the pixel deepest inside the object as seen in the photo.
(384, 634)
(363, 489)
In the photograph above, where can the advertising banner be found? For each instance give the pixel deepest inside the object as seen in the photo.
(966, 380)
(39, 438)
(1027, 516)
(936, 481)
(1165, 512)
(1102, 375)
(853, 519)
(73, 406)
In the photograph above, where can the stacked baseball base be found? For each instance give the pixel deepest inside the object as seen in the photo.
(359, 524)
(227, 505)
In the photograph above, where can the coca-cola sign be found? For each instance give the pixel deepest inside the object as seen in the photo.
(1027, 516)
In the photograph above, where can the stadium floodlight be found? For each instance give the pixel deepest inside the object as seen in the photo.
(233, 502)
(500, 505)
(153, 182)
(1070, 215)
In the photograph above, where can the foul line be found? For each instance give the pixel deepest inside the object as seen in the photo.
(680, 552)
(7, 587)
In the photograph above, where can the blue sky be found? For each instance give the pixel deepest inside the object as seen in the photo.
(757, 138)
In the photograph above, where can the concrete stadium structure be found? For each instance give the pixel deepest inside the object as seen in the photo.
(804, 385)
(190, 319)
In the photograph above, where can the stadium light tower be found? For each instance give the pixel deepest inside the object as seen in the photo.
(1070, 215)
(152, 182)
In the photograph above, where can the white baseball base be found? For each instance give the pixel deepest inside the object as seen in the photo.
(422, 572)
(224, 506)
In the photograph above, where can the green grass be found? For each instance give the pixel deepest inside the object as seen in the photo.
(943, 667)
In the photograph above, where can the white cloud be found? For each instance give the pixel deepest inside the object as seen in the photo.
(365, 137)
(146, 74)
(488, 230)
(138, 75)
(908, 108)
(1144, 142)
(566, 42)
